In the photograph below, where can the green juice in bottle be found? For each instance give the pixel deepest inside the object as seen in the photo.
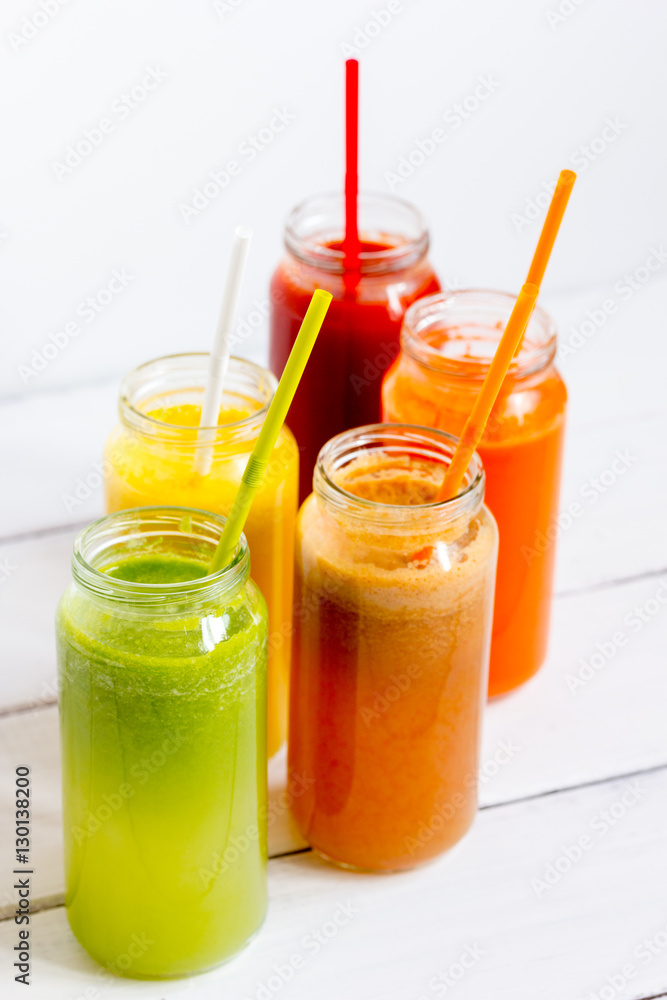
(162, 676)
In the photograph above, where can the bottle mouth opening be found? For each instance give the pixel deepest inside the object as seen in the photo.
(183, 532)
(456, 333)
(392, 232)
(404, 449)
(176, 384)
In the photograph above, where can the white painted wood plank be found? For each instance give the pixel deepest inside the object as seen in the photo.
(557, 731)
(612, 370)
(398, 936)
(48, 442)
(611, 722)
(34, 575)
(31, 738)
(612, 520)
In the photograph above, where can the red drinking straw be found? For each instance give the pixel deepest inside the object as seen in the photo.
(351, 241)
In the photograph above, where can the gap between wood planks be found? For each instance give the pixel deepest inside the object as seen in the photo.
(61, 529)
(55, 529)
(58, 900)
(614, 582)
(64, 389)
(30, 706)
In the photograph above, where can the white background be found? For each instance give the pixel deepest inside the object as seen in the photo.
(226, 72)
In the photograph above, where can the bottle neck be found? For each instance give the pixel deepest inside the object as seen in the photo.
(384, 478)
(170, 532)
(393, 234)
(454, 335)
(161, 401)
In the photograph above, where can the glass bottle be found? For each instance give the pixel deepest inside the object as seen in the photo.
(162, 699)
(155, 456)
(340, 387)
(447, 343)
(393, 604)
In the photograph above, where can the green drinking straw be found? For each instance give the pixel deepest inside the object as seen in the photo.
(275, 418)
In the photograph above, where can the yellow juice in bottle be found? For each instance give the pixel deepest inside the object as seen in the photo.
(152, 458)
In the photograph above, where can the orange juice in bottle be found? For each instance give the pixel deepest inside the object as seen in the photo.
(393, 606)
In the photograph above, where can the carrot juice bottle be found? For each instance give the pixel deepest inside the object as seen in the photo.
(392, 616)
(447, 343)
(340, 388)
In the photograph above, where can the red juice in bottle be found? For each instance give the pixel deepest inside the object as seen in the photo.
(340, 388)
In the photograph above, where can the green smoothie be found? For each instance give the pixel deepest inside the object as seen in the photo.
(163, 723)
(157, 569)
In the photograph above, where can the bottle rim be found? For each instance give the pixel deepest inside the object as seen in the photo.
(110, 536)
(173, 375)
(318, 221)
(397, 439)
(486, 310)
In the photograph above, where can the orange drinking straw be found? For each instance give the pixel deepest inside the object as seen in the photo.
(545, 244)
(476, 422)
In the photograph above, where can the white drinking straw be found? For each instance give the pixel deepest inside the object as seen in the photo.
(219, 359)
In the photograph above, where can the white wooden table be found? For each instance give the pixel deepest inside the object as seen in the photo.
(533, 916)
